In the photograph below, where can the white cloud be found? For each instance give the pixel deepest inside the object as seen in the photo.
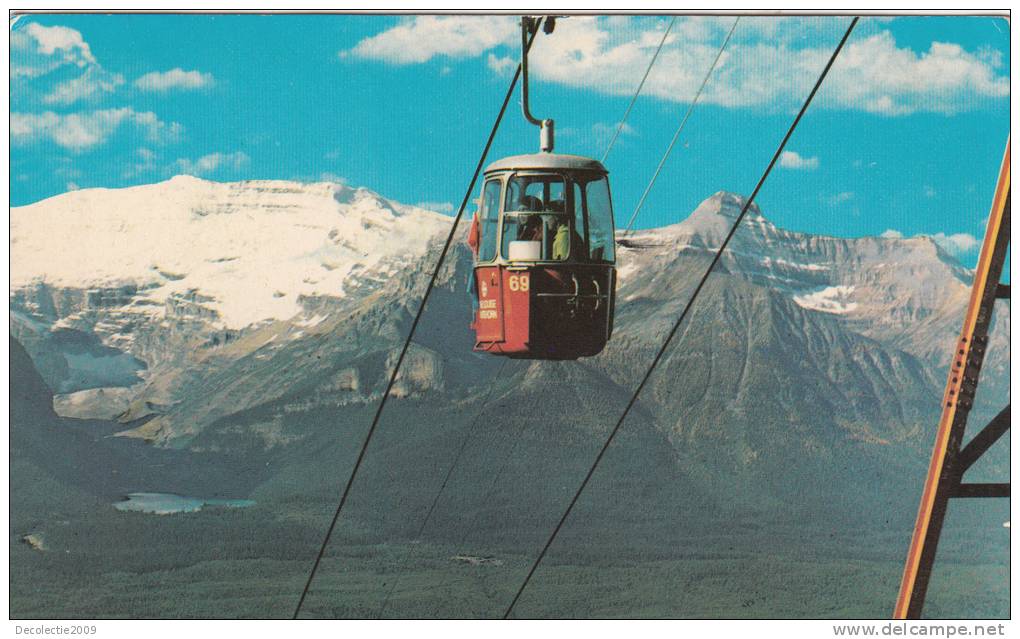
(43, 49)
(37, 51)
(840, 198)
(329, 176)
(875, 75)
(957, 243)
(94, 82)
(26, 125)
(174, 79)
(584, 52)
(64, 40)
(500, 64)
(440, 207)
(770, 63)
(212, 162)
(84, 130)
(603, 132)
(759, 69)
(797, 162)
(420, 38)
(929, 191)
(144, 164)
(602, 128)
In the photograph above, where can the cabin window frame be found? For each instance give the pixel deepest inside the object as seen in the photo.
(568, 184)
(611, 217)
(499, 179)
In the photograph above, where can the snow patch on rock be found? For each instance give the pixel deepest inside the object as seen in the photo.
(830, 299)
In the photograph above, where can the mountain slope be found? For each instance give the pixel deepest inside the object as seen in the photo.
(908, 293)
(793, 413)
(822, 349)
(79, 457)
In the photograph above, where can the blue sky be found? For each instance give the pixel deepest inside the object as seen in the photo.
(905, 137)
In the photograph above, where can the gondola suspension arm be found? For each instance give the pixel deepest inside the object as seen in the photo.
(529, 26)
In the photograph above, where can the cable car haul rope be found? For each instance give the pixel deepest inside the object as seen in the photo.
(544, 274)
(680, 128)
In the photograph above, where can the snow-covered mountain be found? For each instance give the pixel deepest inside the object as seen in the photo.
(246, 251)
(908, 292)
(189, 260)
(145, 287)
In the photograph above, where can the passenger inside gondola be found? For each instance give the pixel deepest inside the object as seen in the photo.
(532, 229)
(535, 210)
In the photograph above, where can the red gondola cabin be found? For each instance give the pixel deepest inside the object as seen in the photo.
(545, 275)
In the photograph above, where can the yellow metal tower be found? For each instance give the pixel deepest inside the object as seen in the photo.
(948, 461)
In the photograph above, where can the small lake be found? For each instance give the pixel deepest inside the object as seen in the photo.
(166, 503)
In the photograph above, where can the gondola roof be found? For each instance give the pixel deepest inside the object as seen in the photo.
(547, 161)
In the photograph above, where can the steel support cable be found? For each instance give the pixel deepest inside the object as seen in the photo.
(410, 334)
(679, 129)
(651, 63)
(679, 321)
(472, 430)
